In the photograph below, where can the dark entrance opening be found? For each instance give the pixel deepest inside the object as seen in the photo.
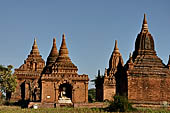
(23, 90)
(65, 90)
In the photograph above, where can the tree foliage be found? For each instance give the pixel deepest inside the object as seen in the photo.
(7, 80)
(92, 94)
(120, 104)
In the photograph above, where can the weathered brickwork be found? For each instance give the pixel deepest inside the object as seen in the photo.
(60, 73)
(149, 89)
(148, 76)
(56, 82)
(112, 82)
(144, 79)
(28, 75)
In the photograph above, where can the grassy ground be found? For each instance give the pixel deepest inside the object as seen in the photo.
(12, 109)
(15, 109)
(149, 110)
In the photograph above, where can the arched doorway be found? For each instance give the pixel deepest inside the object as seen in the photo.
(65, 93)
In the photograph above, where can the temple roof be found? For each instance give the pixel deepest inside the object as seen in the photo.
(33, 63)
(34, 54)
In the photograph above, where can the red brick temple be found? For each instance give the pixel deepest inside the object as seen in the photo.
(144, 79)
(57, 82)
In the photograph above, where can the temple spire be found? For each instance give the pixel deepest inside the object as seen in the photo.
(116, 49)
(115, 58)
(144, 25)
(63, 52)
(53, 54)
(35, 48)
(63, 63)
(54, 51)
(63, 49)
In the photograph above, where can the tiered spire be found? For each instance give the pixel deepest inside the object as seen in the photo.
(53, 54)
(35, 50)
(144, 25)
(116, 49)
(34, 62)
(144, 44)
(115, 58)
(63, 49)
(63, 52)
(63, 63)
(54, 51)
(145, 54)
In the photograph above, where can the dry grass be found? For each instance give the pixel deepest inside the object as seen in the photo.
(16, 109)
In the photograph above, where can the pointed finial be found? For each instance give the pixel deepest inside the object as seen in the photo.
(144, 25)
(35, 47)
(54, 42)
(64, 35)
(116, 50)
(54, 51)
(35, 43)
(144, 20)
(63, 48)
(35, 40)
(130, 58)
(130, 55)
(63, 44)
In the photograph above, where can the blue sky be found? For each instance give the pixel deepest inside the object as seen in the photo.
(91, 27)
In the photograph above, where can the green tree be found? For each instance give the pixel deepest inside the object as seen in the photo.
(7, 81)
(92, 94)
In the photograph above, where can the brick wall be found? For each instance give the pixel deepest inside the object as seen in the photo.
(48, 92)
(148, 89)
(109, 92)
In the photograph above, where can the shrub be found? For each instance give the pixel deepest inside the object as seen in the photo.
(120, 104)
